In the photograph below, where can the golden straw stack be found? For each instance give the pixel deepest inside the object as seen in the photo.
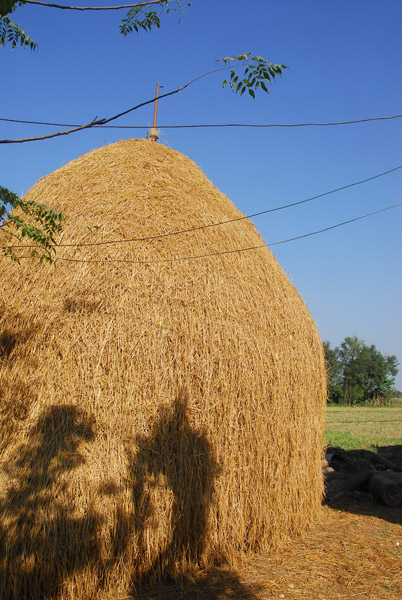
(157, 415)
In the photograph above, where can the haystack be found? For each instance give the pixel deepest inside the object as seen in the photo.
(158, 412)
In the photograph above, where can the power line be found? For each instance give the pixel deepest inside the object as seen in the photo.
(299, 237)
(220, 253)
(242, 218)
(210, 125)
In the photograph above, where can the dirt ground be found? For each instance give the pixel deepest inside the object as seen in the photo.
(354, 551)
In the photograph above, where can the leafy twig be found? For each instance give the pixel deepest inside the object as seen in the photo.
(39, 224)
(258, 72)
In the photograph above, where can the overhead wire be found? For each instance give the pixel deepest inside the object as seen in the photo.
(104, 121)
(226, 222)
(209, 125)
(222, 252)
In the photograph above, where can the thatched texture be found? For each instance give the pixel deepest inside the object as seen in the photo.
(155, 417)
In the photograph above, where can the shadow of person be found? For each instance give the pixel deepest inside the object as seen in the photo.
(183, 458)
(217, 584)
(42, 542)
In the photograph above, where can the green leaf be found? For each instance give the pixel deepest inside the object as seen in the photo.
(141, 18)
(39, 225)
(8, 6)
(12, 33)
(8, 197)
(257, 71)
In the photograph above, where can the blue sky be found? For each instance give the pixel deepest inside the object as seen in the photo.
(344, 62)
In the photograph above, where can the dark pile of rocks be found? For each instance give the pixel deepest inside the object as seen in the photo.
(366, 475)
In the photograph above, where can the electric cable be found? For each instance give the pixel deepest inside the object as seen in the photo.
(198, 227)
(220, 253)
(210, 125)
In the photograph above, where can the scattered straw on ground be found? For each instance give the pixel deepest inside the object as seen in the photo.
(345, 556)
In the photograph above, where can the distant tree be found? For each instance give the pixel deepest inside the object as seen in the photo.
(334, 373)
(381, 371)
(357, 372)
(351, 354)
(392, 365)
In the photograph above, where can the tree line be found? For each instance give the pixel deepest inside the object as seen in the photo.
(359, 373)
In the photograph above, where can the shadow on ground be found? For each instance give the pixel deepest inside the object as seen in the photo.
(219, 584)
(394, 451)
(374, 509)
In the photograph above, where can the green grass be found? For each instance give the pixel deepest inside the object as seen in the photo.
(389, 403)
(354, 428)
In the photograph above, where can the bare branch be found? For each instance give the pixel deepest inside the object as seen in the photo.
(52, 135)
(63, 7)
(97, 122)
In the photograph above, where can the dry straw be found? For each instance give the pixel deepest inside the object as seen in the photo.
(155, 418)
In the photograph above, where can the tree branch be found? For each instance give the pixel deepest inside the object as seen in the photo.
(52, 135)
(97, 122)
(63, 7)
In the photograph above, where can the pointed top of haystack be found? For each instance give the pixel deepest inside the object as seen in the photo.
(134, 189)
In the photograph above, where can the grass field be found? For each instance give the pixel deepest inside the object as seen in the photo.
(353, 428)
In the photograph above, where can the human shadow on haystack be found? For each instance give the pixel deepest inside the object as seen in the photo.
(42, 542)
(177, 457)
